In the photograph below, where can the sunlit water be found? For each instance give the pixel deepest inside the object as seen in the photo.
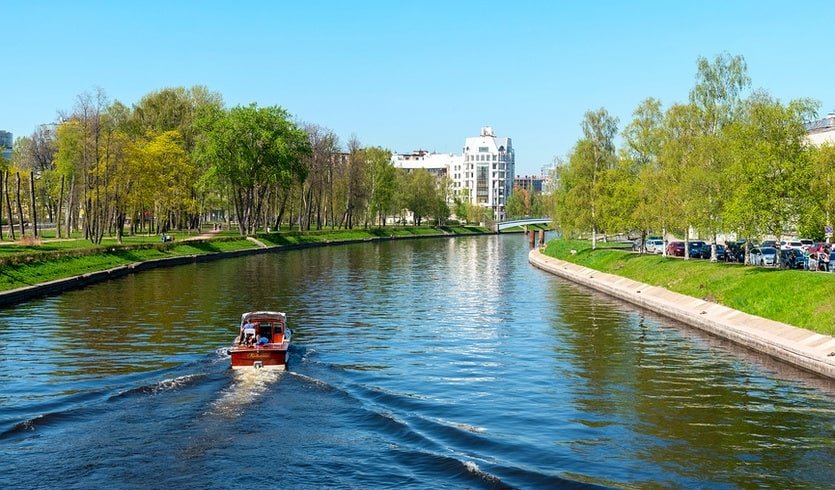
(415, 364)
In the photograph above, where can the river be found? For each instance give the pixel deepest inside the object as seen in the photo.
(430, 363)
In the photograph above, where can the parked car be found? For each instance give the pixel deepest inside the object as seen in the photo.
(763, 256)
(695, 249)
(769, 243)
(832, 261)
(720, 252)
(806, 243)
(787, 244)
(735, 253)
(654, 246)
(820, 247)
(792, 259)
(675, 249)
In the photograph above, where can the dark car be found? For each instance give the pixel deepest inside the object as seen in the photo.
(769, 243)
(792, 259)
(720, 251)
(832, 261)
(695, 249)
(675, 249)
(735, 253)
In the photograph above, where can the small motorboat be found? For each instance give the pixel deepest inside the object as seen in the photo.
(262, 342)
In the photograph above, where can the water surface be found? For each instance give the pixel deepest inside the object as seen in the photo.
(416, 364)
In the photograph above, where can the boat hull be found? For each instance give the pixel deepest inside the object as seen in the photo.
(274, 358)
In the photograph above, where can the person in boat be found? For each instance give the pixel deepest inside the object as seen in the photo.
(262, 340)
(248, 333)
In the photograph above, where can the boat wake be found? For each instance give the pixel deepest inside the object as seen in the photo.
(248, 385)
(158, 387)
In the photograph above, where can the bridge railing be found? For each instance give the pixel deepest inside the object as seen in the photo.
(503, 225)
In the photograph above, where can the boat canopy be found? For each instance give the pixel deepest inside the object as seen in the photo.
(264, 315)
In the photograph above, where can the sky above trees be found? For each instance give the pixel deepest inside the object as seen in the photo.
(408, 75)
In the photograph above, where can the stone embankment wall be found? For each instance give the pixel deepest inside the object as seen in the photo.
(799, 347)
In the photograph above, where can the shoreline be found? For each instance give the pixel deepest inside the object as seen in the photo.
(799, 347)
(21, 295)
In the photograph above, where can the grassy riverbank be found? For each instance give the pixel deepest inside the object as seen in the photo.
(800, 298)
(29, 264)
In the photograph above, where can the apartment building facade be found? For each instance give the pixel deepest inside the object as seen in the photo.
(482, 174)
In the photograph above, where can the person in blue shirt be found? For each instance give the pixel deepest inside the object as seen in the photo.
(248, 333)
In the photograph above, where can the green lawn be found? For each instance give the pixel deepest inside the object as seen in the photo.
(28, 270)
(800, 298)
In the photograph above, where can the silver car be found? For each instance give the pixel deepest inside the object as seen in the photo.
(655, 246)
(763, 256)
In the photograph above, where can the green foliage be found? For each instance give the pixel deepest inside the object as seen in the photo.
(585, 184)
(519, 203)
(383, 180)
(725, 162)
(251, 150)
(420, 194)
(799, 298)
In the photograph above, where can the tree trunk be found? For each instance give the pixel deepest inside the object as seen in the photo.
(70, 207)
(34, 207)
(687, 243)
(9, 205)
(58, 214)
(1, 206)
(19, 205)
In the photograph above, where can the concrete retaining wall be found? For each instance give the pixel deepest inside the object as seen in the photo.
(799, 347)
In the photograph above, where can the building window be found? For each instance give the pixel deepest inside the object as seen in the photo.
(483, 149)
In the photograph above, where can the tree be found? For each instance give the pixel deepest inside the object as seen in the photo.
(383, 183)
(717, 102)
(584, 186)
(638, 196)
(419, 193)
(320, 164)
(675, 160)
(820, 210)
(519, 203)
(769, 172)
(252, 150)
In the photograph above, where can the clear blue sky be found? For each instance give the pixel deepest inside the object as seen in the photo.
(407, 75)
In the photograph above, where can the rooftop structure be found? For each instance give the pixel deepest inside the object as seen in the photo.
(822, 131)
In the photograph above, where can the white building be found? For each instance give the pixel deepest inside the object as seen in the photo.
(483, 174)
(822, 131)
(438, 164)
(487, 171)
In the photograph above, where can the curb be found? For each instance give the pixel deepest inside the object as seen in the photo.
(799, 347)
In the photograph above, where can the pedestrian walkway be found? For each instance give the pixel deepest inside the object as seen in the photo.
(204, 236)
(797, 346)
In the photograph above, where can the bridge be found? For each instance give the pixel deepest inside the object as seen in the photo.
(503, 225)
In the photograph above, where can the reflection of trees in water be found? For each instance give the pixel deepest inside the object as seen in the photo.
(692, 410)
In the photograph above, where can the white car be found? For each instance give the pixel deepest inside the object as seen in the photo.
(655, 246)
(763, 256)
(790, 244)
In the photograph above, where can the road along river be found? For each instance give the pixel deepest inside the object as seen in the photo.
(436, 363)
